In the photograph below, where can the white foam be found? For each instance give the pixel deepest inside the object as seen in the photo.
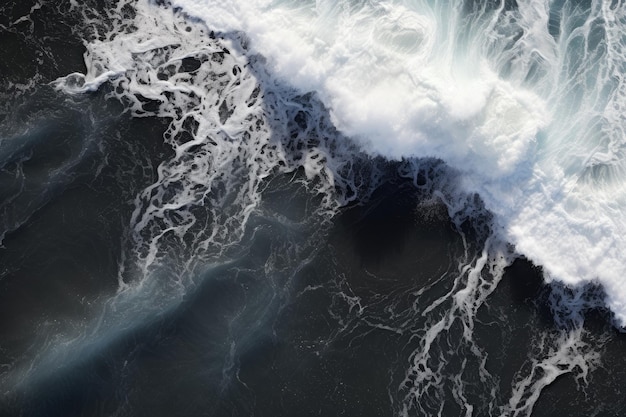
(228, 131)
(529, 104)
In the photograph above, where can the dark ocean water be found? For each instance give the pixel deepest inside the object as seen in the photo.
(312, 310)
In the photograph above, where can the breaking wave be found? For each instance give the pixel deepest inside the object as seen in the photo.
(512, 117)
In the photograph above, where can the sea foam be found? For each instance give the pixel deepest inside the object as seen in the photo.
(526, 103)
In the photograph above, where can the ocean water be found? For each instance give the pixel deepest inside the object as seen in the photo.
(281, 208)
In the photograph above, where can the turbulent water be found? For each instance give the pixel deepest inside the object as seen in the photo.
(279, 208)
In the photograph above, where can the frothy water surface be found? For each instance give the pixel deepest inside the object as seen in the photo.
(316, 208)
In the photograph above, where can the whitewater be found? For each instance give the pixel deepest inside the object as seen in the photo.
(528, 104)
(508, 116)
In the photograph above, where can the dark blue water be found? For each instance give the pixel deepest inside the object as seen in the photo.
(308, 313)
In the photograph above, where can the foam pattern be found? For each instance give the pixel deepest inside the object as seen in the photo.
(522, 104)
(229, 131)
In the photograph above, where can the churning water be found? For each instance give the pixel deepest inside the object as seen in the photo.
(313, 208)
